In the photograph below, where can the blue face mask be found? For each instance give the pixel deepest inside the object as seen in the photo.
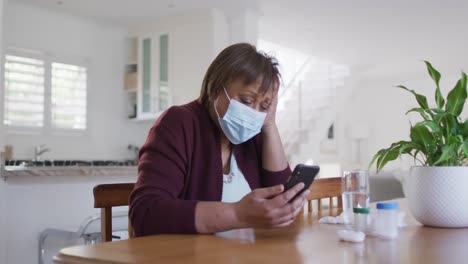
(240, 122)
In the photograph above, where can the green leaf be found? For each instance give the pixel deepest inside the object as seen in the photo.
(465, 128)
(452, 125)
(376, 156)
(464, 79)
(420, 111)
(436, 110)
(432, 125)
(379, 160)
(465, 148)
(408, 147)
(457, 97)
(439, 117)
(386, 157)
(451, 140)
(398, 144)
(436, 77)
(422, 101)
(421, 135)
(447, 154)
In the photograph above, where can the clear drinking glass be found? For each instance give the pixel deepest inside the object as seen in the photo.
(355, 192)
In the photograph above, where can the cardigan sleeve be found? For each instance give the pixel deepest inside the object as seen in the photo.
(272, 178)
(155, 206)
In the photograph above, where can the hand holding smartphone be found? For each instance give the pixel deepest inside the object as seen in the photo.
(302, 173)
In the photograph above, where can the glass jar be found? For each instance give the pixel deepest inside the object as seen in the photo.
(360, 218)
(386, 220)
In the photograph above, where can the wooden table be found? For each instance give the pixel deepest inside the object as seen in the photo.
(305, 241)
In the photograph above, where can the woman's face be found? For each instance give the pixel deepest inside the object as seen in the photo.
(249, 95)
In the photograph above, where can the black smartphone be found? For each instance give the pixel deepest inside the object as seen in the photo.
(302, 173)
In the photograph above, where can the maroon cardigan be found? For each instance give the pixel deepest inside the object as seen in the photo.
(180, 164)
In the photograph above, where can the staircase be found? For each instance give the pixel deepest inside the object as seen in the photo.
(308, 106)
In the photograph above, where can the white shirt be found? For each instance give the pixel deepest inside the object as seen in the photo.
(235, 187)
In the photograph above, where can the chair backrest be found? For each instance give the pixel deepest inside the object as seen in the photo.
(107, 196)
(325, 188)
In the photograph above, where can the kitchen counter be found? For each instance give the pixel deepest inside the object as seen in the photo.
(68, 168)
(14, 171)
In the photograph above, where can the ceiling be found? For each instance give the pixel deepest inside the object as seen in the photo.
(357, 32)
(125, 12)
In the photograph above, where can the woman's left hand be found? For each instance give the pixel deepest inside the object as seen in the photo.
(270, 120)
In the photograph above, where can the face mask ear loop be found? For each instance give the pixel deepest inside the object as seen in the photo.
(216, 102)
(226, 93)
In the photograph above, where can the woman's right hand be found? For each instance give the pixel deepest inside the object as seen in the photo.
(270, 207)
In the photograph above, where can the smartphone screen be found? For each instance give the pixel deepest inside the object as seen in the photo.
(302, 173)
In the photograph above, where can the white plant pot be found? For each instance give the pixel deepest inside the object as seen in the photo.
(438, 196)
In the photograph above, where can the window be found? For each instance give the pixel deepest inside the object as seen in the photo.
(41, 92)
(68, 96)
(24, 92)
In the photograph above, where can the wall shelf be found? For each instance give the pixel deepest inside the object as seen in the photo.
(145, 118)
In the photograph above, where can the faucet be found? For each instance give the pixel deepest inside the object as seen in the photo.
(39, 150)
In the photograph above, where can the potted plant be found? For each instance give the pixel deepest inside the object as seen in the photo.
(437, 186)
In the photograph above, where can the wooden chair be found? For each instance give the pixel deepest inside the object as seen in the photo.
(107, 196)
(325, 188)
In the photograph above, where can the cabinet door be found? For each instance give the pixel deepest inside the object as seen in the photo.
(164, 91)
(154, 77)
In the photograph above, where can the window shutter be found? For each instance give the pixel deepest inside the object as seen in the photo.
(24, 92)
(69, 86)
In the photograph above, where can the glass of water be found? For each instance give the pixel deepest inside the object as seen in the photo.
(355, 192)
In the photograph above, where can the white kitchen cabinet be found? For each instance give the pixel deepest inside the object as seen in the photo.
(153, 77)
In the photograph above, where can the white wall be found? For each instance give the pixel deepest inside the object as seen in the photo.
(64, 35)
(3, 196)
(243, 26)
(220, 31)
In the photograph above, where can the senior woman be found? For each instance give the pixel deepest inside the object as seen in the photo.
(217, 163)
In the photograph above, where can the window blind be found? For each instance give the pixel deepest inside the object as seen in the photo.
(24, 92)
(69, 84)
